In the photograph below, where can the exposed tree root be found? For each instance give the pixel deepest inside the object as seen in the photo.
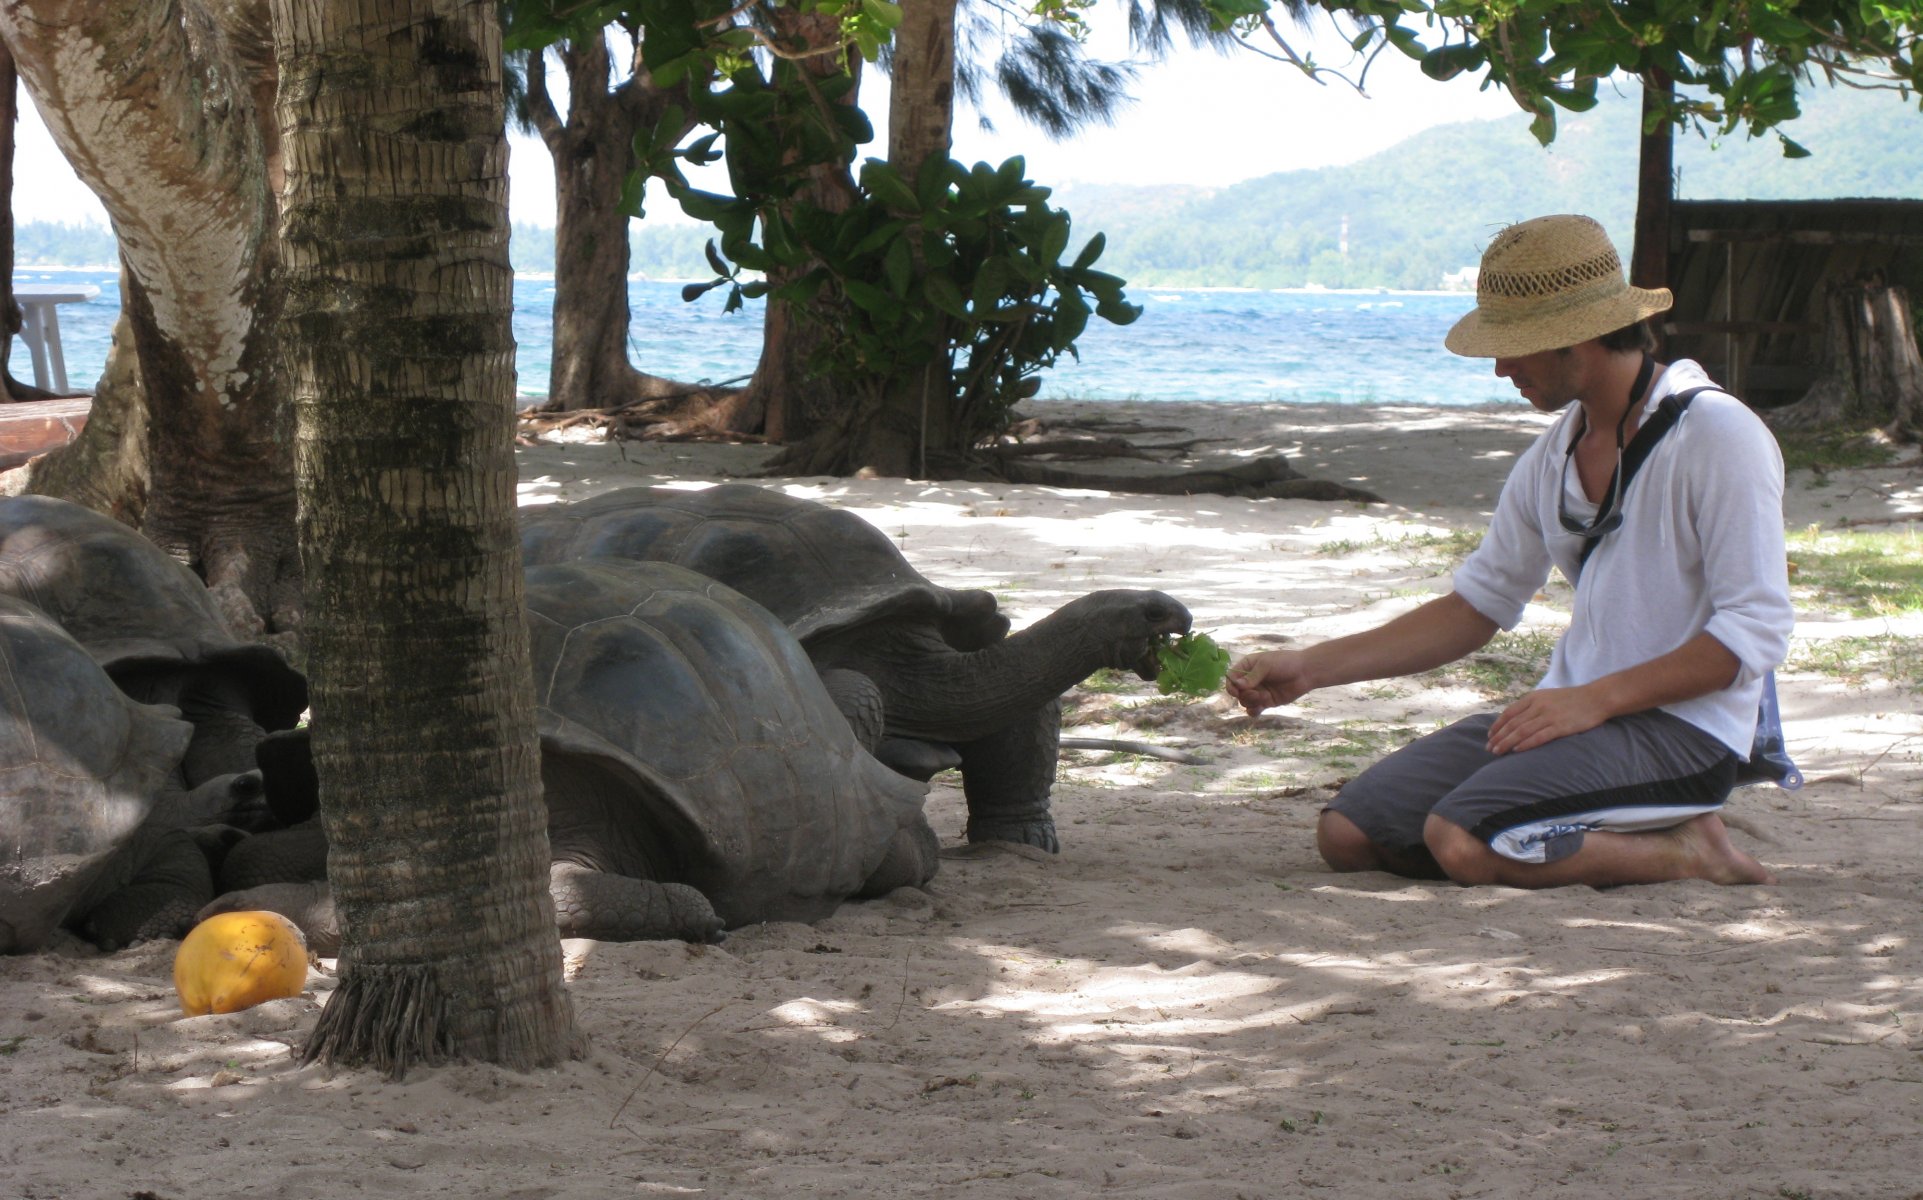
(1091, 438)
(689, 413)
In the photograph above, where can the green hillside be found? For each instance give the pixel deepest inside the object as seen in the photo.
(1428, 205)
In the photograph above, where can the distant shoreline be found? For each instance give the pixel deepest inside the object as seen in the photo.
(548, 276)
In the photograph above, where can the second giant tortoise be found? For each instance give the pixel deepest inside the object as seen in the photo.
(939, 657)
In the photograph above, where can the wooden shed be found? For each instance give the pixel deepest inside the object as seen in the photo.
(1752, 277)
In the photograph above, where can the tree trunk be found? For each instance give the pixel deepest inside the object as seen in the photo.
(154, 105)
(794, 401)
(918, 407)
(1874, 373)
(401, 360)
(921, 98)
(889, 426)
(10, 316)
(1655, 187)
(593, 152)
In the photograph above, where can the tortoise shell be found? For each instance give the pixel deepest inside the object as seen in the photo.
(819, 569)
(687, 738)
(81, 767)
(132, 605)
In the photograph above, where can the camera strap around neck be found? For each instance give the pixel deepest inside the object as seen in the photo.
(1660, 422)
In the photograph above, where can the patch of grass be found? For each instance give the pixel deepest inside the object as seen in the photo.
(1362, 740)
(1505, 668)
(1435, 552)
(1856, 660)
(1858, 572)
(1825, 450)
(1110, 681)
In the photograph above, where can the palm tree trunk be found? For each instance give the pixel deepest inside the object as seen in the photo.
(401, 363)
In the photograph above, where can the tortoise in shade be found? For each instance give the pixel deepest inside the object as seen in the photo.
(151, 623)
(940, 661)
(697, 774)
(97, 829)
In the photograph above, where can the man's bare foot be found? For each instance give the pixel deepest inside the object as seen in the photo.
(1706, 847)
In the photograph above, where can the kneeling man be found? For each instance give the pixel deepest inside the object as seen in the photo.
(1612, 770)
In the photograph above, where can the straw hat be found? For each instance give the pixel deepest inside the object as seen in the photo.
(1549, 283)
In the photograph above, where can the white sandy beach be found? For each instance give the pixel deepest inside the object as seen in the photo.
(1184, 1002)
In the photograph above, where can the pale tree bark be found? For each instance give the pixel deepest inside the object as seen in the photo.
(593, 152)
(397, 328)
(155, 105)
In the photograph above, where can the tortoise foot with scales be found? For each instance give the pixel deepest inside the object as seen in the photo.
(950, 676)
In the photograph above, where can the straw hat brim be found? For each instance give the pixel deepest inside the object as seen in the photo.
(1477, 335)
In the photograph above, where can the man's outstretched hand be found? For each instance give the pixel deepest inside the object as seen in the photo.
(1263, 681)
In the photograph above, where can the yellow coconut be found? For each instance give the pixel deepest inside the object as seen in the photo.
(236, 960)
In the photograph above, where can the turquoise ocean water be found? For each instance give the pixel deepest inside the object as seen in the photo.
(1190, 344)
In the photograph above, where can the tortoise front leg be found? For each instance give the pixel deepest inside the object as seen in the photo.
(619, 908)
(309, 905)
(169, 884)
(1007, 776)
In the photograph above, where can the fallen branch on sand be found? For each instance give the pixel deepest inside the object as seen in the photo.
(1269, 478)
(1141, 749)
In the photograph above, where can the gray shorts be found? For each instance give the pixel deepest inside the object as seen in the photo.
(1648, 770)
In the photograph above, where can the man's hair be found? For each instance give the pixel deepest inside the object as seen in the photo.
(1639, 337)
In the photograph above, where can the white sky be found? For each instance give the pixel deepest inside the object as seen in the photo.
(1199, 118)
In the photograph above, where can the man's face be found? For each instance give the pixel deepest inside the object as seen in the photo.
(1548, 379)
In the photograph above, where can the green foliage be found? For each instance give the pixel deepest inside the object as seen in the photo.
(964, 270)
(955, 278)
(960, 269)
(1740, 65)
(1192, 665)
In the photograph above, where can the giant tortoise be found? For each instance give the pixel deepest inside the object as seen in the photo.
(944, 669)
(697, 774)
(96, 830)
(151, 623)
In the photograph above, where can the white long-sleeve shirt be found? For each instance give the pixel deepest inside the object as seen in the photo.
(1700, 550)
